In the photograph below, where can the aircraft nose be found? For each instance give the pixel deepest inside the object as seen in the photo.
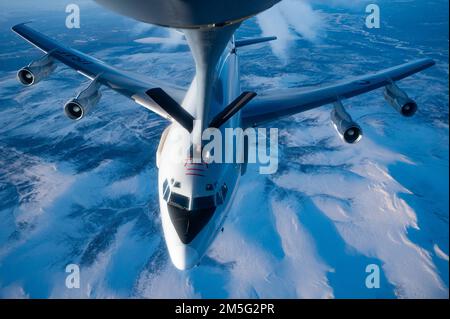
(184, 257)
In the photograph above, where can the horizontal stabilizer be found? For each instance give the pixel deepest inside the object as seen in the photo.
(175, 110)
(232, 109)
(245, 42)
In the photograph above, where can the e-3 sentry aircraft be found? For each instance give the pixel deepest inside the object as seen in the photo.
(195, 197)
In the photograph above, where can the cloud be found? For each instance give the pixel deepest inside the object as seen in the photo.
(170, 38)
(289, 20)
(141, 28)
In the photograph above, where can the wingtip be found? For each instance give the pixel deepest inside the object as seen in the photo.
(429, 62)
(424, 63)
(16, 27)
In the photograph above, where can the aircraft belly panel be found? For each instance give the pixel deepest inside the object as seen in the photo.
(188, 14)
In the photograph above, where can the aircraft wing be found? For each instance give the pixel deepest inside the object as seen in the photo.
(282, 103)
(133, 86)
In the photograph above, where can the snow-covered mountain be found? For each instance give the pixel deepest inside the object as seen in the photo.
(86, 192)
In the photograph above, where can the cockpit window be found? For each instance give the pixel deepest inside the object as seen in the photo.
(179, 201)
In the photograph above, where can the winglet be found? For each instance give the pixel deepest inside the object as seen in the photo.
(175, 110)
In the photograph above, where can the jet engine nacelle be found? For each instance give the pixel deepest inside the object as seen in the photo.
(399, 100)
(85, 101)
(350, 131)
(36, 70)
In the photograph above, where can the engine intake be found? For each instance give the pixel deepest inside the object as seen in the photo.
(399, 100)
(36, 70)
(350, 131)
(81, 105)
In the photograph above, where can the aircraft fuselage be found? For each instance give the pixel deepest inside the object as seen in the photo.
(195, 197)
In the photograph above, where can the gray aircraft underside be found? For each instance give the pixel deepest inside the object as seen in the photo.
(189, 13)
